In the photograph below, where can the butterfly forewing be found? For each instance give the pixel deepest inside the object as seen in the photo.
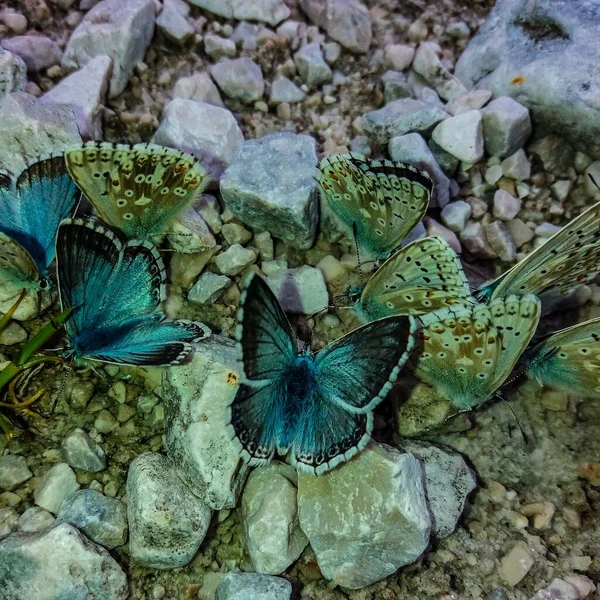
(381, 199)
(17, 268)
(137, 189)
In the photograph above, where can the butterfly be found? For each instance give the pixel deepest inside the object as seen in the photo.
(571, 257)
(137, 189)
(380, 201)
(569, 359)
(422, 277)
(317, 408)
(468, 352)
(116, 290)
(32, 205)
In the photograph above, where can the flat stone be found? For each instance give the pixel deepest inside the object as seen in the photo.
(167, 523)
(311, 65)
(174, 25)
(428, 64)
(280, 199)
(455, 215)
(473, 100)
(284, 90)
(209, 132)
(235, 259)
(367, 518)
(268, 11)
(243, 586)
(37, 51)
(101, 518)
(196, 397)
(506, 126)
(199, 87)
(13, 472)
(400, 117)
(506, 206)
(474, 239)
(398, 57)
(80, 451)
(209, 288)
(239, 79)
(35, 519)
(500, 240)
(395, 86)
(546, 230)
(13, 73)
(54, 486)
(517, 166)
(58, 563)
(300, 290)
(519, 232)
(121, 30)
(516, 564)
(461, 136)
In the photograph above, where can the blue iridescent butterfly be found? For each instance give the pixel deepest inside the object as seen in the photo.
(317, 409)
(117, 290)
(32, 205)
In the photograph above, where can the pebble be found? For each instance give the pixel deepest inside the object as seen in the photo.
(199, 87)
(243, 586)
(37, 51)
(54, 486)
(235, 259)
(584, 585)
(546, 230)
(9, 521)
(506, 206)
(500, 240)
(102, 519)
(506, 126)
(461, 136)
(35, 519)
(455, 215)
(268, 11)
(311, 65)
(520, 232)
(436, 229)
(12, 334)
(264, 244)
(13, 472)
(558, 590)
(417, 31)
(236, 234)
(542, 513)
(332, 269)
(13, 73)
(555, 154)
(80, 451)
(517, 166)
(474, 239)
(239, 79)
(209, 288)
(105, 422)
(16, 22)
(399, 57)
(561, 189)
(174, 25)
(332, 52)
(284, 90)
(473, 100)
(516, 564)
(210, 210)
(493, 174)
(427, 64)
(216, 46)
(395, 86)
(300, 290)
(190, 234)
(478, 207)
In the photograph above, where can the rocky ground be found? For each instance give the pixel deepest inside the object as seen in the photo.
(130, 475)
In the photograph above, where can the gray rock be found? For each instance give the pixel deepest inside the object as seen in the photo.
(461, 136)
(269, 11)
(13, 334)
(517, 166)
(35, 519)
(300, 290)
(519, 232)
(474, 239)
(506, 126)
(234, 233)
(345, 21)
(102, 519)
(280, 199)
(473, 100)
(311, 65)
(13, 73)
(455, 215)
(216, 46)
(167, 523)
(506, 206)
(284, 90)
(199, 87)
(54, 486)
(80, 451)
(198, 444)
(427, 64)
(546, 230)
(395, 86)
(85, 92)
(497, 594)
(174, 25)
(413, 149)
(9, 520)
(209, 288)
(15, 21)
(500, 241)
(359, 543)
(245, 35)
(209, 132)
(271, 534)
(235, 259)
(239, 79)
(189, 233)
(554, 153)
(399, 56)
(447, 162)
(37, 51)
(121, 30)
(246, 586)
(332, 52)
(13, 472)
(58, 563)
(448, 482)
(542, 53)
(400, 117)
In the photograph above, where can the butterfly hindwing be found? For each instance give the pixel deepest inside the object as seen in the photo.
(382, 200)
(422, 277)
(137, 189)
(17, 269)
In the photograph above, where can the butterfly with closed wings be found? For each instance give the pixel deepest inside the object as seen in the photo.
(317, 409)
(116, 290)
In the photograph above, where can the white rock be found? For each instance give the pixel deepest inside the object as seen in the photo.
(473, 100)
(284, 90)
(80, 451)
(399, 56)
(582, 584)
(516, 564)
(13, 73)
(333, 270)
(493, 174)
(199, 87)
(506, 206)
(246, 586)
(35, 519)
(517, 166)
(428, 65)
(216, 46)
(209, 288)
(520, 232)
(311, 65)
(559, 589)
(506, 126)
(546, 230)
(13, 472)
(235, 259)
(189, 233)
(474, 239)
(455, 215)
(269, 11)
(54, 486)
(300, 290)
(239, 79)
(12, 334)
(461, 136)
(174, 25)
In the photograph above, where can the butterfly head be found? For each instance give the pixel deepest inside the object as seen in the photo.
(354, 292)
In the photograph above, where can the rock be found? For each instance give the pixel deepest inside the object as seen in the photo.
(500, 241)
(121, 30)
(398, 56)
(280, 199)
(235, 259)
(332, 269)
(236, 234)
(37, 51)
(167, 523)
(497, 594)
(209, 132)
(199, 87)
(216, 46)
(189, 233)
(428, 65)
(395, 86)
(506, 206)
(461, 136)
(554, 81)
(517, 166)
(284, 90)
(542, 513)
(85, 92)
(516, 564)
(555, 155)
(493, 175)
(506, 126)
(269, 518)
(519, 232)
(15, 21)
(209, 288)
(312, 66)
(9, 520)
(478, 207)
(239, 79)
(561, 189)
(243, 586)
(360, 542)
(80, 451)
(474, 239)
(300, 290)
(582, 584)
(54, 486)
(58, 563)
(473, 100)
(268, 11)
(264, 243)
(455, 215)
(400, 117)
(174, 25)
(448, 482)
(35, 519)
(102, 519)
(13, 73)
(12, 334)
(345, 21)
(13, 472)
(558, 590)
(546, 230)
(413, 149)
(197, 396)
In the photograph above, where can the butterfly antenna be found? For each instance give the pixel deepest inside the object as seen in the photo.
(61, 388)
(512, 412)
(355, 235)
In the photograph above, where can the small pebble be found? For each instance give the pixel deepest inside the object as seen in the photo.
(516, 564)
